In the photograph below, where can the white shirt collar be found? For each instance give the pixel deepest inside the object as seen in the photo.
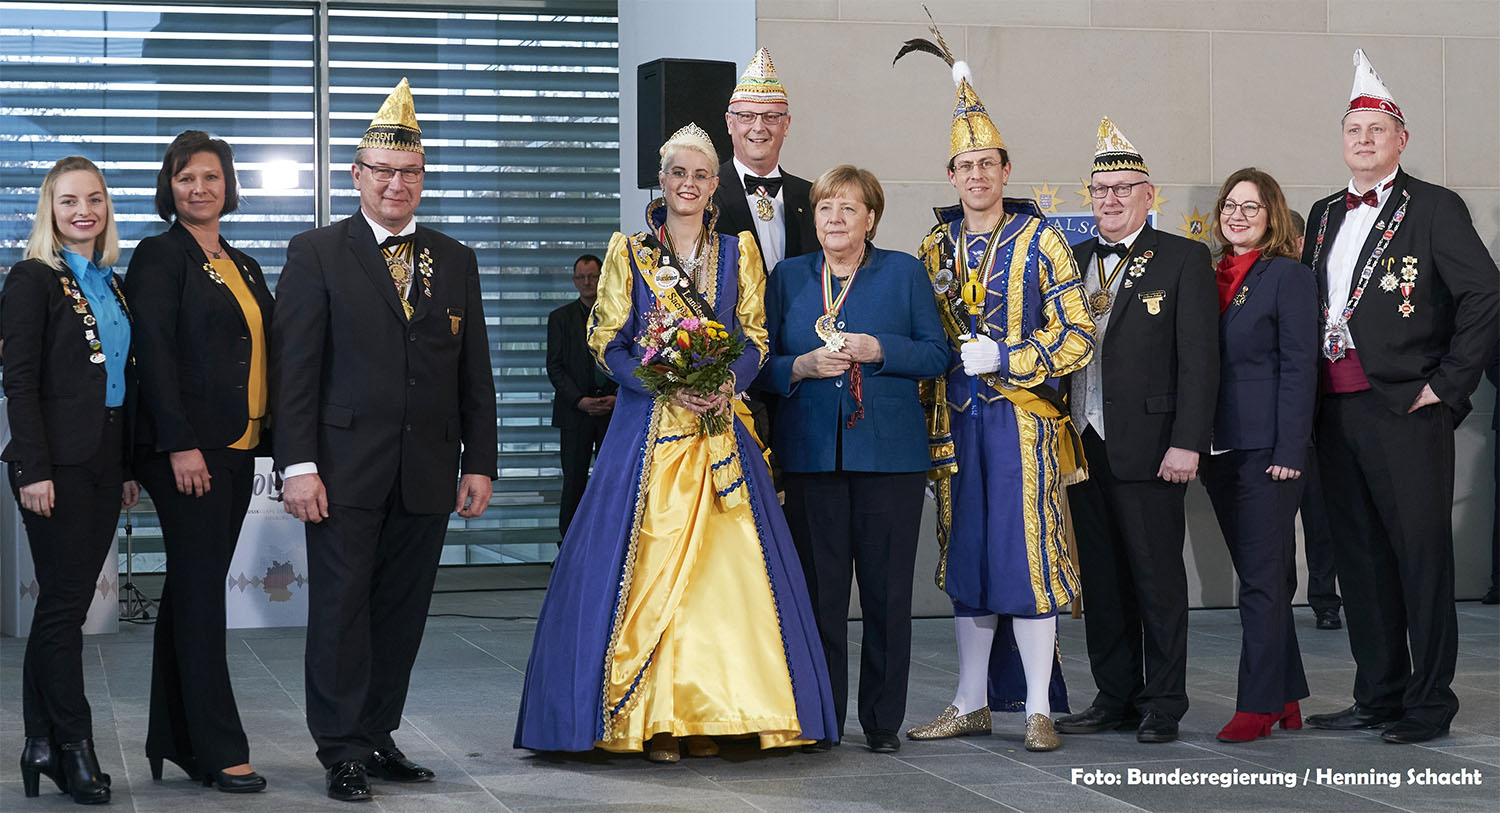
(744, 170)
(1382, 189)
(380, 231)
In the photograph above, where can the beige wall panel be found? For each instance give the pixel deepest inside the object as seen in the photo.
(1466, 18)
(908, 212)
(1473, 103)
(796, 10)
(1265, 15)
(968, 12)
(1484, 208)
(1278, 101)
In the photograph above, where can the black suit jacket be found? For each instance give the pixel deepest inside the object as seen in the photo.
(570, 364)
(192, 344)
(1268, 363)
(1451, 335)
(735, 215)
(1160, 371)
(54, 394)
(369, 396)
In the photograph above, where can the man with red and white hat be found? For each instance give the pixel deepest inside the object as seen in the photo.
(1409, 323)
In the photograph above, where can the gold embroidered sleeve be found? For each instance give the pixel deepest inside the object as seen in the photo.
(1066, 341)
(612, 308)
(751, 308)
(931, 255)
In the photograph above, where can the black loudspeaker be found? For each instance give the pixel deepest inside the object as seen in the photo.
(669, 94)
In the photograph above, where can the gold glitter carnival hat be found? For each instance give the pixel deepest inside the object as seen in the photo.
(395, 126)
(972, 127)
(693, 137)
(1115, 152)
(759, 83)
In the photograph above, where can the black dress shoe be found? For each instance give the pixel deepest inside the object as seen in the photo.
(1351, 719)
(819, 747)
(189, 766)
(38, 759)
(1156, 726)
(393, 766)
(80, 769)
(347, 782)
(1491, 597)
(883, 742)
(236, 782)
(1095, 719)
(1409, 730)
(1329, 620)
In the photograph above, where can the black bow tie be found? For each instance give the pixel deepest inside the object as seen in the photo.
(771, 185)
(398, 240)
(1103, 249)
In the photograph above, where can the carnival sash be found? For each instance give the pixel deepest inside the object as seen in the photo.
(1336, 334)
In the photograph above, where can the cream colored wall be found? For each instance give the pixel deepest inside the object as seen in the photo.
(1202, 87)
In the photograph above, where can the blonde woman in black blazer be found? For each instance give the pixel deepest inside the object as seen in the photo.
(203, 309)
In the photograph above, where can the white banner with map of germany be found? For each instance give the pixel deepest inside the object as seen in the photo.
(267, 582)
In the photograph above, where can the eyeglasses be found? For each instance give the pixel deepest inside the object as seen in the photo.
(1249, 208)
(984, 164)
(680, 175)
(771, 119)
(1121, 190)
(385, 174)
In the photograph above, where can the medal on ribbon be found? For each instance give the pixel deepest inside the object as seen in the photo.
(1336, 336)
(827, 326)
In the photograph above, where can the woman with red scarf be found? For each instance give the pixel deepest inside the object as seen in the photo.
(1268, 324)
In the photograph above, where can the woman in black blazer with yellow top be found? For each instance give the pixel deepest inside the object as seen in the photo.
(203, 308)
(1262, 433)
(68, 384)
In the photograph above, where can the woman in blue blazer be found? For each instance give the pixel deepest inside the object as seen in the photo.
(1262, 430)
(852, 329)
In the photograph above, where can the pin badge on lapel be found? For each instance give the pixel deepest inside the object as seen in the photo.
(1153, 300)
(455, 319)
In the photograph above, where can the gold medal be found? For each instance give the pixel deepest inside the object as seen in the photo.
(1099, 302)
(763, 208)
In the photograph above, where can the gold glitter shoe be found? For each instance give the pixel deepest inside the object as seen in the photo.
(948, 724)
(663, 748)
(698, 746)
(1040, 735)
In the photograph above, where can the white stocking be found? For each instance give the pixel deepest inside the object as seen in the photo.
(1036, 638)
(976, 634)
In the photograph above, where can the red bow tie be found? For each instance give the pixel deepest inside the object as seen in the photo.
(1370, 198)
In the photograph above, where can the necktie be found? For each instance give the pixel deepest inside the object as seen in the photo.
(771, 185)
(1353, 201)
(1103, 249)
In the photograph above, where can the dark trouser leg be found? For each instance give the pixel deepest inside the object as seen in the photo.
(886, 518)
(817, 513)
(1317, 542)
(1112, 624)
(193, 710)
(1152, 516)
(576, 445)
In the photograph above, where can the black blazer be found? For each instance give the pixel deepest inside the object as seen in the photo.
(192, 344)
(54, 394)
(1268, 363)
(1451, 335)
(1160, 371)
(570, 364)
(364, 393)
(735, 215)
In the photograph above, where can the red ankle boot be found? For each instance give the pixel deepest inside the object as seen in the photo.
(1247, 726)
(1291, 716)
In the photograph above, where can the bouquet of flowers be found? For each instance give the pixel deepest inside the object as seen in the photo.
(688, 354)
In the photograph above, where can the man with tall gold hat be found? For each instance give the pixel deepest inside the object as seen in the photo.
(383, 396)
(1144, 407)
(1010, 299)
(1409, 324)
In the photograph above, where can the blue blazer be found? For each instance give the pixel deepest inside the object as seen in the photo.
(1268, 363)
(892, 301)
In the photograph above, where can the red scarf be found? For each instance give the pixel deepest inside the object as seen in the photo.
(1231, 274)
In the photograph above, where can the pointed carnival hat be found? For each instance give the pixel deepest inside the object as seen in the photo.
(1369, 92)
(972, 127)
(691, 136)
(395, 126)
(759, 82)
(1114, 151)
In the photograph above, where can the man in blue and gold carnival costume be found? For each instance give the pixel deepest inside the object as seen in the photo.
(1012, 303)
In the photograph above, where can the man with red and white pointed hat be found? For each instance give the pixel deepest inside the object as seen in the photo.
(1409, 322)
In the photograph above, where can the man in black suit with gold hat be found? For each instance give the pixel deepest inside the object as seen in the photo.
(1409, 324)
(1144, 407)
(383, 396)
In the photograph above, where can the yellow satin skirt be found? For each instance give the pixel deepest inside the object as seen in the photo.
(698, 648)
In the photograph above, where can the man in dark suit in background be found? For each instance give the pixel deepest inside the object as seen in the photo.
(1409, 324)
(1144, 406)
(585, 395)
(383, 395)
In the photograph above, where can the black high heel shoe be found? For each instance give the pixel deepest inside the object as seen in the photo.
(39, 759)
(235, 783)
(189, 766)
(80, 769)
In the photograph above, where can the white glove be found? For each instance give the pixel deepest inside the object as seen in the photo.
(981, 355)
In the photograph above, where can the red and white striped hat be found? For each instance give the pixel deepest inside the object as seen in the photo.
(1369, 92)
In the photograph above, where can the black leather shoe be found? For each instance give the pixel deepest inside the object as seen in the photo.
(1409, 730)
(819, 747)
(80, 769)
(189, 766)
(1094, 719)
(347, 782)
(883, 742)
(1156, 726)
(393, 766)
(38, 759)
(1329, 620)
(1351, 719)
(235, 782)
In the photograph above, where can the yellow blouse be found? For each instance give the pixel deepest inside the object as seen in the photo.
(255, 391)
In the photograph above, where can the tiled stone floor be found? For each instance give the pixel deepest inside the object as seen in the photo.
(461, 713)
